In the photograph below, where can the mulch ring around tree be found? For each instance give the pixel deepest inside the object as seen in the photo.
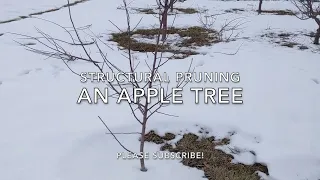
(183, 41)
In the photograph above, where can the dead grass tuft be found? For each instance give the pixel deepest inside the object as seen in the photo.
(234, 10)
(187, 10)
(145, 11)
(155, 11)
(169, 136)
(285, 39)
(279, 12)
(153, 137)
(289, 44)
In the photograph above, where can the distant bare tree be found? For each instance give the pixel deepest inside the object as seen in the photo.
(228, 31)
(309, 9)
(260, 6)
(165, 6)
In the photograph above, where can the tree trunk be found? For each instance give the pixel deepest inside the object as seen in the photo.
(143, 132)
(260, 6)
(171, 7)
(142, 139)
(317, 37)
(164, 24)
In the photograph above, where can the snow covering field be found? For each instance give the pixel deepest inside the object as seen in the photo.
(14, 8)
(46, 135)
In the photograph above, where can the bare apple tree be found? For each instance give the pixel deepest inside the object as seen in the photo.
(228, 31)
(141, 108)
(309, 9)
(260, 6)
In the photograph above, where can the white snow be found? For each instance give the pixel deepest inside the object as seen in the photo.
(46, 135)
(11, 9)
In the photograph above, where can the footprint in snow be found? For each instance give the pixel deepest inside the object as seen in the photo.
(0, 83)
(29, 44)
(38, 69)
(200, 63)
(315, 81)
(25, 72)
(57, 70)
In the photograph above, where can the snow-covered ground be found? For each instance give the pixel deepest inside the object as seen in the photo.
(46, 135)
(11, 9)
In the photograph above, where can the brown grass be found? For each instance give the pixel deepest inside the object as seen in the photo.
(234, 10)
(279, 12)
(187, 10)
(216, 164)
(180, 10)
(198, 36)
(145, 10)
(284, 39)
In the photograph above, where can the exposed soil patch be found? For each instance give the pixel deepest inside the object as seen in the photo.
(285, 39)
(215, 163)
(279, 12)
(42, 12)
(183, 41)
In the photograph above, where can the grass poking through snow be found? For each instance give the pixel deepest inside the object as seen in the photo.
(176, 10)
(279, 12)
(216, 164)
(190, 38)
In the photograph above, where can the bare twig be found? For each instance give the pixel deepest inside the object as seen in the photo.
(114, 136)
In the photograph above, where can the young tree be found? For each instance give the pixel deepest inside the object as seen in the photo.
(142, 109)
(309, 9)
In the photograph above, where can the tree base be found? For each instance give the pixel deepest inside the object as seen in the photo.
(143, 169)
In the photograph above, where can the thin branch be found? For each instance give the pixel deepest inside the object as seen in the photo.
(114, 136)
